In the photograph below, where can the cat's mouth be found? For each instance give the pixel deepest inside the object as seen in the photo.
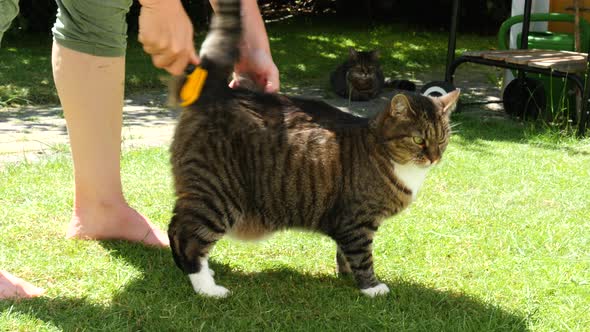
(424, 166)
(424, 163)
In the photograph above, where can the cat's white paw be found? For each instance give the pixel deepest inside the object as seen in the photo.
(214, 291)
(204, 284)
(212, 273)
(380, 289)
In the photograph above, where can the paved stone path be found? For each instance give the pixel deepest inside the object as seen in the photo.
(30, 133)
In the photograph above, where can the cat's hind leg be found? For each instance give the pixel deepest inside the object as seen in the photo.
(342, 263)
(196, 225)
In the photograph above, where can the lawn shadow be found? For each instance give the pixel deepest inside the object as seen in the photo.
(478, 127)
(38, 119)
(149, 109)
(280, 299)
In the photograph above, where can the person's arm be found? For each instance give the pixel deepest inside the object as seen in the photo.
(166, 33)
(254, 34)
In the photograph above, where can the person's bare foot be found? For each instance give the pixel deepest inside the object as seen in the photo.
(12, 287)
(115, 222)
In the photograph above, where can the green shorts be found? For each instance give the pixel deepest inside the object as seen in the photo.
(96, 27)
(8, 11)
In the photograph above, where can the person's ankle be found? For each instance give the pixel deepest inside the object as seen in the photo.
(84, 203)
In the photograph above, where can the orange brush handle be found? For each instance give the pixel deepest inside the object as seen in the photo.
(191, 90)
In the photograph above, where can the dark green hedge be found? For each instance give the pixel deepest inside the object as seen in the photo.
(37, 16)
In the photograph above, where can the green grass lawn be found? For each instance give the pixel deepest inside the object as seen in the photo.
(306, 51)
(498, 240)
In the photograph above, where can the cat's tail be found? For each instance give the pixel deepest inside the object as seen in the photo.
(219, 52)
(400, 84)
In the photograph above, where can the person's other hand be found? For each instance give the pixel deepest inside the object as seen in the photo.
(257, 65)
(166, 33)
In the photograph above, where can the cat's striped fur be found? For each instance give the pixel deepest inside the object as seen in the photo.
(248, 164)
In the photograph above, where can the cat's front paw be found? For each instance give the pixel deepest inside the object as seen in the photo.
(204, 284)
(380, 289)
(214, 291)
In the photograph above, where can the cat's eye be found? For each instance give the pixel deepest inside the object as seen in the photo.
(418, 140)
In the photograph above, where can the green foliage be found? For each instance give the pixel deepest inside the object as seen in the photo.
(35, 16)
(25, 72)
(306, 51)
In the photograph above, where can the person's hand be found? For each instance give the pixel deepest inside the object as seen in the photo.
(257, 65)
(166, 33)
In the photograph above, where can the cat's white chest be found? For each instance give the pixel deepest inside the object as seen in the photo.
(411, 176)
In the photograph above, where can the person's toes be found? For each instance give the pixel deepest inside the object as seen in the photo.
(15, 287)
(156, 237)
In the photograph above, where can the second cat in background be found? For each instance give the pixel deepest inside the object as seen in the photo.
(361, 78)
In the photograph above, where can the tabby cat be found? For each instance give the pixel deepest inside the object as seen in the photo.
(361, 78)
(247, 164)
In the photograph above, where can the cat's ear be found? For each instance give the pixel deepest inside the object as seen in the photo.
(449, 101)
(353, 54)
(400, 105)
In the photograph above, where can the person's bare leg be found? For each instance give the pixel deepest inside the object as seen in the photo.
(14, 287)
(91, 91)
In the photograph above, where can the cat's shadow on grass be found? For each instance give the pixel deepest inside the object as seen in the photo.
(281, 299)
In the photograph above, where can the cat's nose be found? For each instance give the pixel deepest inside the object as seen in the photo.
(431, 160)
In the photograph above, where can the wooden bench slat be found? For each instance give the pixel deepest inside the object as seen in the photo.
(565, 61)
(571, 65)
